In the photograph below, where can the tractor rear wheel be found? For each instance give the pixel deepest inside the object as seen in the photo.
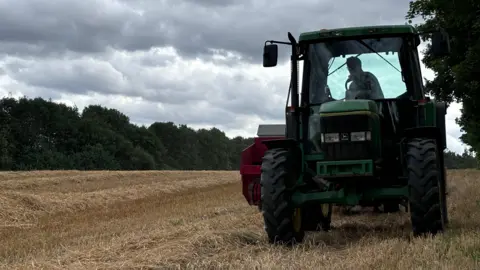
(283, 222)
(424, 181)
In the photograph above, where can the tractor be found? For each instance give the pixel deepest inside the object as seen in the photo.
(359, 131)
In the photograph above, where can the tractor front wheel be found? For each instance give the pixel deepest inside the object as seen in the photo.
(424, 181)
(283, 222)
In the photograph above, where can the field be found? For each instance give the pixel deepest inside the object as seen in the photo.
(200, 220)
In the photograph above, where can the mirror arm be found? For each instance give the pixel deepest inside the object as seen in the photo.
(277, 42)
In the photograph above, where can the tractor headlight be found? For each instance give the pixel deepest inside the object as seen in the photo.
(360, 136)
(330, 137)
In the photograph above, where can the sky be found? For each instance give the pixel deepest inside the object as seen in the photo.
(194, 62)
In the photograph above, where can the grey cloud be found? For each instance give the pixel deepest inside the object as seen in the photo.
(194, 28)
(215, 3)
(231, 93)
(202, 113)
(20, 89)
(75, 76)
(81, 26)
(150, 61)
(146, 111)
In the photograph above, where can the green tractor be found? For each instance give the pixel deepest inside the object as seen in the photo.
(359, 131)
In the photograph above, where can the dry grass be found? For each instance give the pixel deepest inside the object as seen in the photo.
(200, 220)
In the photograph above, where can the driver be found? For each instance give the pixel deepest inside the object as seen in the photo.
(364, 84)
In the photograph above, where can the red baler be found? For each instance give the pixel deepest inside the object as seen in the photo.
(252, 159)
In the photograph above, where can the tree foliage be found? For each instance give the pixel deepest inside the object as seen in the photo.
(457, 75)
(463, 161)
(39, 134)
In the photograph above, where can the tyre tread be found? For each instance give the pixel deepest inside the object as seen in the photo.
(424, 176)
(276, 208)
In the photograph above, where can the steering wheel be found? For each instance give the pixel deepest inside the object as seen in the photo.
(361, 95)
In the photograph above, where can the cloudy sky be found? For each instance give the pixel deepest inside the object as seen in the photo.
(159, 60)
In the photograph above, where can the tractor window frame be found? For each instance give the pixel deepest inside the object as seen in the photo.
(416, 70)
(408, 55)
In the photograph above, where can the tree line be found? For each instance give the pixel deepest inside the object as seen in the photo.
(463, 161)
(38, 134)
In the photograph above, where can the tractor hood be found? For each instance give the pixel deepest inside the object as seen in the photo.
(346, 130)
(341, 106)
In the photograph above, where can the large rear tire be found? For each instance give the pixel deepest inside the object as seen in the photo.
(424, 181)
(283, 222)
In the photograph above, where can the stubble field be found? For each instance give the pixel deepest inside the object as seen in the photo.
(200, 220)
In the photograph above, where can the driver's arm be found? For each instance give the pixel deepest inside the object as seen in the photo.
(376, 88)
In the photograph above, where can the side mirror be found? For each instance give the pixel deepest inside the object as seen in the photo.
(440, 44)
(270, 55)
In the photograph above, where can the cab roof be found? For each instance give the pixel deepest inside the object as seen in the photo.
(357, 31)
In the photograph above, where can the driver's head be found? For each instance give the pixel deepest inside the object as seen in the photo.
(354, 65)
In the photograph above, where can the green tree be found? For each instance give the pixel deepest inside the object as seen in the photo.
(463, 161)
(456, 75)
(40, 134)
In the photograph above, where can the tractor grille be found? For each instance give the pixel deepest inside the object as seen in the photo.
(346, 149)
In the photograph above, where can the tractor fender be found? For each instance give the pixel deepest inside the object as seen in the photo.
(441, 111)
